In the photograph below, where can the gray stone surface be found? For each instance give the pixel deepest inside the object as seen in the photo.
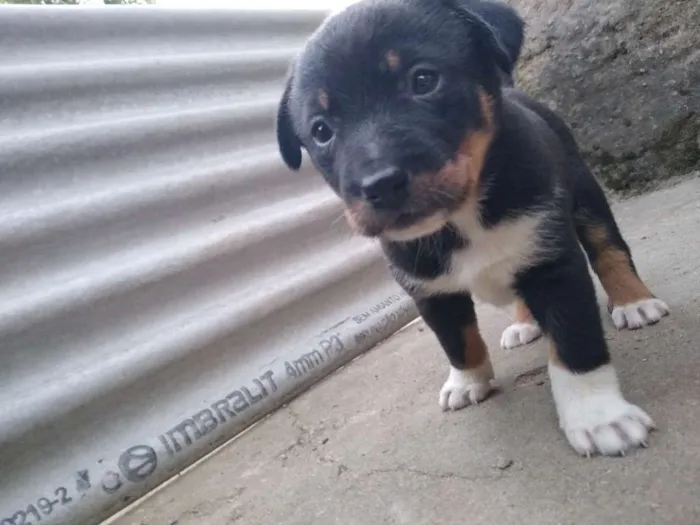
(626, 75)
(370, 446)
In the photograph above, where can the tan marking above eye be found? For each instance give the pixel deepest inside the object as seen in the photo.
(393, 60)
(323, 99)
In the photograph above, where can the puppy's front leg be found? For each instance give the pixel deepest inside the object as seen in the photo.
(453, 320)
(592, 411)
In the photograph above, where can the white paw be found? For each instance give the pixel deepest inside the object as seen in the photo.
(594, 415)
(519, 334)
(466, 387)
(639, 314)
(611, 430)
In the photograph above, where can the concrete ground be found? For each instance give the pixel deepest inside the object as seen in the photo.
(370, 446)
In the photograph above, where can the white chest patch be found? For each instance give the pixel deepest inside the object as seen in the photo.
(487, 266)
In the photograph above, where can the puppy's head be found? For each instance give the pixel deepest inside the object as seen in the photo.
(396, 103)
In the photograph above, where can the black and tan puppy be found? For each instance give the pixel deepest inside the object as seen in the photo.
(472, 188)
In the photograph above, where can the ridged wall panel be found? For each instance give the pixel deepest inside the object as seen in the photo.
(165, 281)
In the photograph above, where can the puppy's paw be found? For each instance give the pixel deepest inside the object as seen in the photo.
(610, 429)
(638, 314)
(519, 334)
(595, 416)
(457, 396)
(466, 387)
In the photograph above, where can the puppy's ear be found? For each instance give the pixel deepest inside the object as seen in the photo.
(498, 29)
(504, 21)
(287, 139)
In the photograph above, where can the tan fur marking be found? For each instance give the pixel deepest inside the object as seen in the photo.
(456, 179)
(522, 313)
(356, 216)
(461, 176)
(393, 60)
(614, 270)
(475, 351)
(486, 104)
(351, 218)
(361, 219)
(475, 146)
(554, 355)
(323, 99)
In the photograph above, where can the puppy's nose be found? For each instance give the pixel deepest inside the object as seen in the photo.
(386, 189)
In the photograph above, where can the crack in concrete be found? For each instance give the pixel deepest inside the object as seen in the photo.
(306, 438)
(434, 475)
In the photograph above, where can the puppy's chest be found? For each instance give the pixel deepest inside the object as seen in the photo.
(487, 265)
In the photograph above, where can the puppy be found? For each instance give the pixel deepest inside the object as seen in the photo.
(473, 189)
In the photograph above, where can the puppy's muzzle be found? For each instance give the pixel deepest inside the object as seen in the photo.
(387, 189)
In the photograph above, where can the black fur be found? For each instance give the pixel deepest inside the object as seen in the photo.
(487, 38)
(562, 300)
(447, 316)
(498, 31)
(425, 258)
(506, 24)
(533, 162)
(287, 139)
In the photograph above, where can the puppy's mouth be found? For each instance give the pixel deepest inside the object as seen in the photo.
(409, 229)
(430, 201)
(393, 226)
(423, 215)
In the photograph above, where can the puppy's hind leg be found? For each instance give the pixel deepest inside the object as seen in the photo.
(630, 302)
(523, 331)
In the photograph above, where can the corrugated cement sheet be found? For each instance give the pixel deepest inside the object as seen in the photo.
(164, 280)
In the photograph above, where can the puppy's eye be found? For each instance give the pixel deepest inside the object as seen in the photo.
(321, 132)
(424, 81)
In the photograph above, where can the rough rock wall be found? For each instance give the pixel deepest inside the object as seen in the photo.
(626, 75)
